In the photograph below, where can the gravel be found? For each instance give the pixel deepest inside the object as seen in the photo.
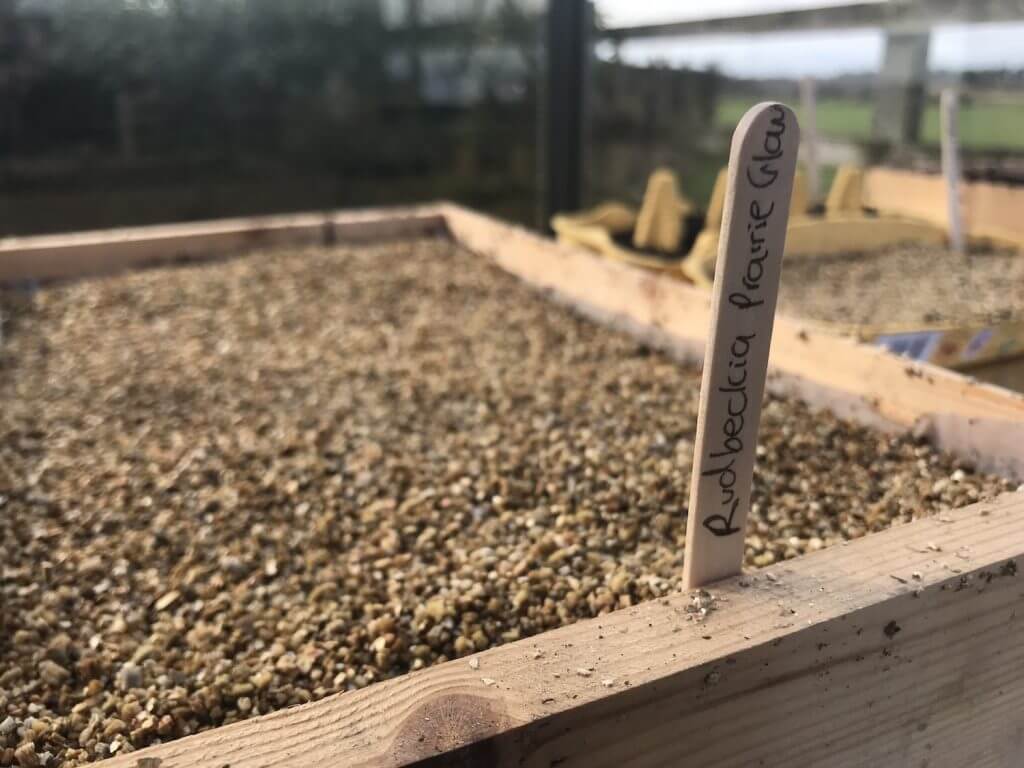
(231, 488)
(905, 285)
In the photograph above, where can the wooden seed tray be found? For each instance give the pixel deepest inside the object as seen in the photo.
(892, 650)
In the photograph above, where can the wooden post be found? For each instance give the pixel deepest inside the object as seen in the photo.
(949, 111)
(809, 134)
(900, 98)
(762, 163)
(569, 49)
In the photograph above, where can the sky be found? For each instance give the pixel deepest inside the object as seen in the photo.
(795, 54)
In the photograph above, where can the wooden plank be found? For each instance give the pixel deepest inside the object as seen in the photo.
(762, 163)
(102, 251)
(855, 380)
(899, 649)
(990, 211)
(994, 211)
(906, 193)
(812, 236)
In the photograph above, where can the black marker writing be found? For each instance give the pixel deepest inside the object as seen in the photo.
(762, 170)
(731, 438)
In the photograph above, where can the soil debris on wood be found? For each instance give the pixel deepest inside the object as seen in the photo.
(233, 488)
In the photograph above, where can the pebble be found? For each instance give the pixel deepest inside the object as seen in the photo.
(256, 483)
(8, 726)
(27, 757)
(167, 600)
(52, 673)
(113, 727)
(129, 677)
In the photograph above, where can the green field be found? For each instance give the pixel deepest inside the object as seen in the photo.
(836, 118)
(983, 126)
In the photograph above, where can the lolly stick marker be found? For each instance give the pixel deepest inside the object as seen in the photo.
(762, 162)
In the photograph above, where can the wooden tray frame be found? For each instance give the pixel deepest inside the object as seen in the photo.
(902, 648)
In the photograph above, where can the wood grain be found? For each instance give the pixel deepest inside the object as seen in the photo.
(103, 251)
(990, 211)
(762, 163)
(906, 193)
(994, 211)
(900, 649)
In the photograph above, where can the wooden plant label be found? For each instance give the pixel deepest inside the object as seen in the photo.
(762, 163)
